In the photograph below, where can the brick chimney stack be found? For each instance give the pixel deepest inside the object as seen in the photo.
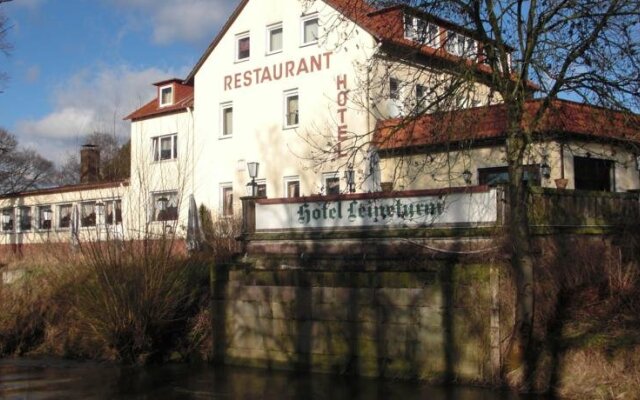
(89, 163)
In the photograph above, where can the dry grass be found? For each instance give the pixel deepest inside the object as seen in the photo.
(133, 303)
(593, 375)
(587, 316)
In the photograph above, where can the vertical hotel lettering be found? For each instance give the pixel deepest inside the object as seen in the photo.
(342, 98)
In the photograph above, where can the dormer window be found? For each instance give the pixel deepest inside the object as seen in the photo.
(461, 45)
(166, 96)
(421, 31)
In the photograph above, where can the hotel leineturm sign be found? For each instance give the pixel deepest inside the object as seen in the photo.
(397, 211)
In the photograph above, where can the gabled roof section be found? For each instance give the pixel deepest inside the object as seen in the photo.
(562, 118)
(356, 10)
(386, 25)
(182, 99)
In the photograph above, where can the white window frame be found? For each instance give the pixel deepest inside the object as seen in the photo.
(290, 179)
(58, 215)
(171, 100)
(271, 28)
(414, 32)
(95, 212)
(12, 213)
(457, 45)
(398, 91)
(288, 94)
(41, 220)
(21, 209)
(112, 203)
(154, 206)
(156, 148)
(262, 182)
(223, 187)
(225, 106)
(330, 175)
(239, 37)
(303, 21)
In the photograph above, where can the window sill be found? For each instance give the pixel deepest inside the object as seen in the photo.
(242, 60)
(168, 160)
(273, 52)
(225, 137)
(308, 44)
(288, 127)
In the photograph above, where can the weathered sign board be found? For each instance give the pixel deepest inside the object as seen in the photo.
(399, 211)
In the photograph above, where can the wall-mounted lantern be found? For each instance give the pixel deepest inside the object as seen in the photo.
(252, 187)
(466, 175)
(349, 176)
(545, 168)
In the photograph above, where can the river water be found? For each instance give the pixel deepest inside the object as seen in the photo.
(58, 379)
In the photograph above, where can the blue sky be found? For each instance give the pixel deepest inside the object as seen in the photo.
(78, 66)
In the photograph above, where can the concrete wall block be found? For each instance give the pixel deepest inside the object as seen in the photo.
(284, 294)
(257, 293)
(322, 295)
(246, 339)
(280, 344)
(366, 313)
(397, 296)
(281, 310)
(330, 312)
(430, 297)
(428, 317)
(264, 310)
(388, 331)
(332, 344)
(245, 309)
(397, 315)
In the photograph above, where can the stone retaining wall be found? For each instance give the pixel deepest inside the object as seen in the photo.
(431, 322)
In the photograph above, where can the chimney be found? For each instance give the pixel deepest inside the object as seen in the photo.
(89, 163)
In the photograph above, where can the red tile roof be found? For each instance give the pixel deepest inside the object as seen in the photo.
(481, 123)
(183, 99)
(67, 189)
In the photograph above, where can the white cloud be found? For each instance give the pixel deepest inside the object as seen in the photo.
(180, 20)
(90, 100)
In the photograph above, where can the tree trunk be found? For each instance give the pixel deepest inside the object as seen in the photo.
(517, 367)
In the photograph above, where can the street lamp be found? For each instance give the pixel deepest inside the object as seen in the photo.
(252, 187)
(466, 175)
(349, 176)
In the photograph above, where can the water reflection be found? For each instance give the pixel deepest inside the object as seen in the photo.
(54, 379)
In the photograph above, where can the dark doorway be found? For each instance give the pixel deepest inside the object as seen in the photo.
(593, 174)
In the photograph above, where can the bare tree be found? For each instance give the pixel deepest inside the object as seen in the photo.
(115, 160)
(5, 47)
(21, 169)
(584, 50)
